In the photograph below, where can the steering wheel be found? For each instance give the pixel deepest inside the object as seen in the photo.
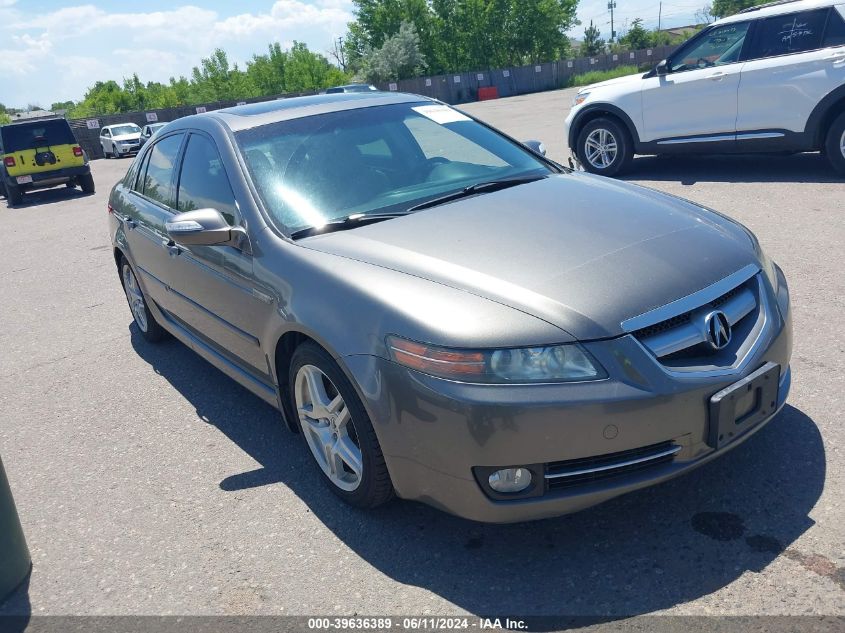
(704, 63)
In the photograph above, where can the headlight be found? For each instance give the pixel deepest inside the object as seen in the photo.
(551, 363)
(580, 98)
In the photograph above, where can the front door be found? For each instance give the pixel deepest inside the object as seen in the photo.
(226, 308)
(698, 95)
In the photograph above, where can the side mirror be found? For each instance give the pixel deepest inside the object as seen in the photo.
(205, 227)
(662, 68)
(536, 146)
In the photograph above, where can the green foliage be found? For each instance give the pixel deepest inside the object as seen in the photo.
(4, 118)
(460, 35)
(637, 38)
(398, 58)
(215, 79)
(724, 8)
(595, 76)
(593, 43)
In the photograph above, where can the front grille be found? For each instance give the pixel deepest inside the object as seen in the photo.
(682, 338)
(578, 472)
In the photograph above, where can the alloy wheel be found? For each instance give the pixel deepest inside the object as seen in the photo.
(328, 428)
(842, 144)
(135, 298)
(600, 148)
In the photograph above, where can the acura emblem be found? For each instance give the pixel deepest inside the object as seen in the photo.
(718, 329)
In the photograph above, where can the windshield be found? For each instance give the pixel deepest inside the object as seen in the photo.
(18, 137)
(120, 130)
(312, 170)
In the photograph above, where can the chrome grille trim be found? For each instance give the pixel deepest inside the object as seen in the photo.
(666, 452)
(691, 301)
(689, 334)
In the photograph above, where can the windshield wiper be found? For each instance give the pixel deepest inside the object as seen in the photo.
(350, 221)
(479, 187)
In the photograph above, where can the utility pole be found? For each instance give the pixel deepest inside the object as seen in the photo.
(659, 16)
(612, 5)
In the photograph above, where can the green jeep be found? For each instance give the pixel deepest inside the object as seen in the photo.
(38, 154)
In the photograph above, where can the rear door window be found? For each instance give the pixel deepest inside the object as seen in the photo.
(203, 183)
(158, 177)
(787, 34)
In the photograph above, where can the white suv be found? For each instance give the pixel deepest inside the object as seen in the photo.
(768, 79)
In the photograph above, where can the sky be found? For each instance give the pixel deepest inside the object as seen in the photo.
(53, 51)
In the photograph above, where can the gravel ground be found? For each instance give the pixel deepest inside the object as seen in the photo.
(149, 483)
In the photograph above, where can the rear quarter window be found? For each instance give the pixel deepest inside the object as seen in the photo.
(835, 33)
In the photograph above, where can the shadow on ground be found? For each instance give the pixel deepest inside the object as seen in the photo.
(45, 196)
(639, 553)
(690, 169)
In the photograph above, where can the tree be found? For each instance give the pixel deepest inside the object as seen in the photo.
(637, 38)
(724, 8)
(593, 43)
(705, 15)
(398, 58)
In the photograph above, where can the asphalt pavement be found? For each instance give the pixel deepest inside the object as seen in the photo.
(149, 483)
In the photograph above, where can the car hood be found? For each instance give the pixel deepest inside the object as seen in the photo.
(627, 79)
(581, 252)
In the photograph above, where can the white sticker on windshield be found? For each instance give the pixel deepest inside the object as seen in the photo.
(441, 113)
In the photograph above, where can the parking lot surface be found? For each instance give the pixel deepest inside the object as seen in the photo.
(149, 483)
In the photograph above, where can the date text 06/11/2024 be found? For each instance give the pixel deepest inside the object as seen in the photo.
(424, 623)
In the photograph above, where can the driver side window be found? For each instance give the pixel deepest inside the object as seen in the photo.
(716, 47)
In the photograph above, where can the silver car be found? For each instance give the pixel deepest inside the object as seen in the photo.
(444, 314)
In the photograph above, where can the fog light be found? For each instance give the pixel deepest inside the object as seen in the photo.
(510, 480)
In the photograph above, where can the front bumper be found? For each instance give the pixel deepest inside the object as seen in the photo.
(126, 150)
(434, 433)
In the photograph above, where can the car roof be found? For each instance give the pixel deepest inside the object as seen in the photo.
(776, 8)
(257, 114)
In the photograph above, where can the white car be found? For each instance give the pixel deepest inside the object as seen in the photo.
(768, 79)
(120, 139)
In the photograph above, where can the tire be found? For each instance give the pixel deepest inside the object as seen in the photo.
(346, 424)
(86, 181)
(618, 149)
(14, 196)
(144, 320)
(834, 145)
(114, 151)
(70, 184)
(106, 154)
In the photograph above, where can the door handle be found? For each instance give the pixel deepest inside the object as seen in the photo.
(717, 76)
(131, 224)
(837, 57)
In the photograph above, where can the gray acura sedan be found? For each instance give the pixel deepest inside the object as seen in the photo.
(443, 313)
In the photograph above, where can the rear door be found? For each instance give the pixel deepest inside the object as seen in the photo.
(217, 281)
(792, 66)
(151, 204)
(698, 97)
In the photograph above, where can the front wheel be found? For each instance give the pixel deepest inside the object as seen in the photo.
(337, 429)
(835, 144)
(604, 147)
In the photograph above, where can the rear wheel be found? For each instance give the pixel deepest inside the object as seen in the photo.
(604, 147)
(148, 326)
(835, 144)
(86, 181)
(14, 196)
(337, 429)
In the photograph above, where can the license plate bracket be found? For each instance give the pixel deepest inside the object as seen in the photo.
(742, 405)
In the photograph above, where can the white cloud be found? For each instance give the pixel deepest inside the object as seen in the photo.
(58, 55)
